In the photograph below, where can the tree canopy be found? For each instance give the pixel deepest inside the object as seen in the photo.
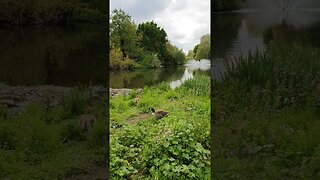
(201, 50)
(153, 38)
(145, 45)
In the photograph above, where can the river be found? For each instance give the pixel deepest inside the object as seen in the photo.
(240, 32)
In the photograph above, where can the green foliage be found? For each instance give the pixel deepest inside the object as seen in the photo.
(150, 60)
(200, 85)
(227, 5)
(265, 115)
(98, 134)
(190, 55)
(202, 50)
(8, 139)
(144, 46)
(3, 111)
(45, 11)
(123, 34)
(153, 39)
(175, 147)
(76, 101)
(288, 76)
(31, 147)
(174, 55)
(71, 132)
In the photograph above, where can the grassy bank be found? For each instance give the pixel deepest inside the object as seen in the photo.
(174, 147)
(45, 142)
(267, 112)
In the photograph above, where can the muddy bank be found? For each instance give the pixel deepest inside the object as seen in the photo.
(16, 98)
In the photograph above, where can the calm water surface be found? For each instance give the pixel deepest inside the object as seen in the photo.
(148, 77)
(54, 55)
(241, 32)
(69, 56)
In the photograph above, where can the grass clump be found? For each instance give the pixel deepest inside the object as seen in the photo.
(265, 115)
(37, 145)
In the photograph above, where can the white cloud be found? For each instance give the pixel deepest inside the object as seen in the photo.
(185, 21)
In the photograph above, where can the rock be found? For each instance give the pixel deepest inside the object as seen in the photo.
(8, 102)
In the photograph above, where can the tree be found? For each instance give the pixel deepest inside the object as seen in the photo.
(190, 55)
(153, 39)
(123, 34)
(203, 49)
(175, 55)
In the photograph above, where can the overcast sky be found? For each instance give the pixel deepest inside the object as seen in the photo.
(185, 21)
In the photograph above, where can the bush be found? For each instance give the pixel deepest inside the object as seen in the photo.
(98, 134)
(3, 111)
(71, 132)
(118, 62)
(199, 85)
(150, 60)
(76, 101)
(8, 138)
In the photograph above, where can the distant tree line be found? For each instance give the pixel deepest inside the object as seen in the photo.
(202, 50)
(227, 5)
(140, 46)
(26, 12)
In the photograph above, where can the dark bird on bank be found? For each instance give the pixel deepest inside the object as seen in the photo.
(158, 114)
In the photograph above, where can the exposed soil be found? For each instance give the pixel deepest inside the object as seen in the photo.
(16, 98)
(136, 119)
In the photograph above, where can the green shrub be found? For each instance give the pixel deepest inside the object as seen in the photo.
(150, 60)
(71, 132)
(98, 134)
(3, 112)
(177, 155)
(76, 101)
(199, 85)
(8, 139)
(117, 61)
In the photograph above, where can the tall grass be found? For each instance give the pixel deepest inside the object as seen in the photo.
(267, 115)
(287, 75)
(47, 143)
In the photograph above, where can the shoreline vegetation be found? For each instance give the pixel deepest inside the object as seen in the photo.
(227, 5)
(45, 141)
(267, 112)
(174, 147)
(39, 12)
(146, 45)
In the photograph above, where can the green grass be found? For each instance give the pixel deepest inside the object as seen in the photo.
(175, 147)
(46, 142)
(271, 103)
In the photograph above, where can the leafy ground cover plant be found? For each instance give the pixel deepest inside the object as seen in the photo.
(175, 147)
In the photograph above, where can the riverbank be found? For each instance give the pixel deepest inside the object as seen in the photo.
(176, 146)
(17, 98)
(40, 136)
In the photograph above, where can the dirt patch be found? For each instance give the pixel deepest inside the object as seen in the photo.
(16, 98)
(138, 118)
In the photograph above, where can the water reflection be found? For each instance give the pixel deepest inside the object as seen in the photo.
(64, 56)
(190, 67)
(174, 76)
(237, 34)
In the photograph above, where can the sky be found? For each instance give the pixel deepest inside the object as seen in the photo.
(185, 21)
